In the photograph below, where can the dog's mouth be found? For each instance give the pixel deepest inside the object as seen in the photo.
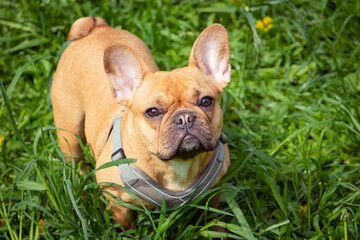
(189, 147)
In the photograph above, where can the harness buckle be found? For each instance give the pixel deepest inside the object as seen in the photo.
(118, 154)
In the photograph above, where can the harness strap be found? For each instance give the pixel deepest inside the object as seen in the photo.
(145, 187)
(117, 144)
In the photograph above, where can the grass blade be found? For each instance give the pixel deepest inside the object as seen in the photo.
(275, 226)
(83, 223)
(30, 185)
(32, 204)
(12, 120)
(251, 20)
(247, 233)
(27, 44)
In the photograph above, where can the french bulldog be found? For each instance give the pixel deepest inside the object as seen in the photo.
(172, 121)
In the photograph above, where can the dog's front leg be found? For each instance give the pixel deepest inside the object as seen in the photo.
(122, 215)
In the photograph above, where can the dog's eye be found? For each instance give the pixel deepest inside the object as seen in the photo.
(152, 112)
(206, 102)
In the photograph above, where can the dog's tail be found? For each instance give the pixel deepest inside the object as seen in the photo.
(83, 27)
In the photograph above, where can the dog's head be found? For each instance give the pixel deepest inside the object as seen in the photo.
(176, 113)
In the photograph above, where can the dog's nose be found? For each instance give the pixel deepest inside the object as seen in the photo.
(185, 120)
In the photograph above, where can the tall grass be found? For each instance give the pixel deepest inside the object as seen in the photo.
(291, 114)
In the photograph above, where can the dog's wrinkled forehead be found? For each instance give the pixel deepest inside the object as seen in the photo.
(179, 86)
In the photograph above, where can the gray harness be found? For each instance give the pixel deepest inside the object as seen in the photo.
(148, 189)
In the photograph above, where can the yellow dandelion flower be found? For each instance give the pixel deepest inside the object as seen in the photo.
(303, 209)
(267, 20)
(42, 224)
(264, 24)
(0, 140)
(259, 24)
(2, 222)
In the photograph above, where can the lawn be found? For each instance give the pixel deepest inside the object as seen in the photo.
(291, 114)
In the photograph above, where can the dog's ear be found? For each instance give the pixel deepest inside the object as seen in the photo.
(123, 70)
(211, 54)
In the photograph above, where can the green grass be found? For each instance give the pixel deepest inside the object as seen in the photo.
(291, 114)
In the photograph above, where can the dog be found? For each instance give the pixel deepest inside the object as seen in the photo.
(170, 121)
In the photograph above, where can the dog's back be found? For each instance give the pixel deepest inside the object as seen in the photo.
(81, 94)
